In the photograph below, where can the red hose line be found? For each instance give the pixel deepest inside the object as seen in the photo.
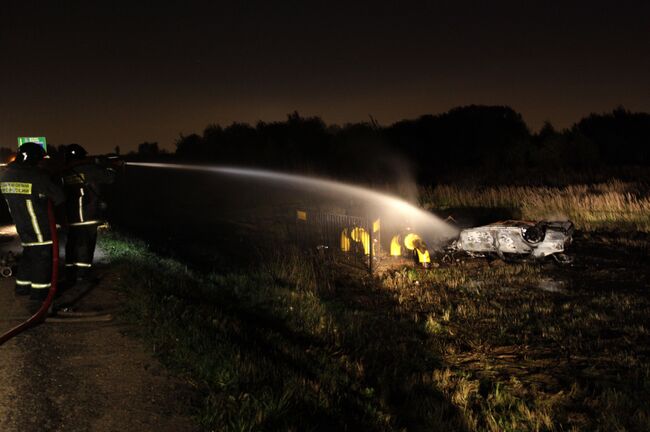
(40, 315)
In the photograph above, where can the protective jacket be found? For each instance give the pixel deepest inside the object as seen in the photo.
(26, 189)
(81, 184)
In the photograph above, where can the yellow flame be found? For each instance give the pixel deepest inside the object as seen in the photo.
(423, 256)
(345, 240)
(411, 240)
(395, 246)
(361, 235)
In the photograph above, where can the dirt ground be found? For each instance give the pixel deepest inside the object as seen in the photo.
(85, 376)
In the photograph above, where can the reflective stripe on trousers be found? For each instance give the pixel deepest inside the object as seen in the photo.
(91, 222)
(81, 205)
(37, 243)
(32, 216)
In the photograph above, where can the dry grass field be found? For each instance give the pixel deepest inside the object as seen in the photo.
(614, 205)
(297, 343)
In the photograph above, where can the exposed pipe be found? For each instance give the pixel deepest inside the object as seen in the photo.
(40, 315)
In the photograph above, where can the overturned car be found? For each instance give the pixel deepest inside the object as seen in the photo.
(515, 238)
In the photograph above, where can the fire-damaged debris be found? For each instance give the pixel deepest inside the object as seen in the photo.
(358, 240)
(518, 238)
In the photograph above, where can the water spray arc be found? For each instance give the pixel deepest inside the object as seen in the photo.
(427, 224)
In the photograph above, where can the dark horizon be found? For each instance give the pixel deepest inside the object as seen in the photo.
(105, 74)
(170, 145)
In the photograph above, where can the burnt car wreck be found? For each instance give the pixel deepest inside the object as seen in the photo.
(517, 239)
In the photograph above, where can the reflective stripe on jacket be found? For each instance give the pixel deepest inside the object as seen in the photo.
(26, 189)
(81, 184)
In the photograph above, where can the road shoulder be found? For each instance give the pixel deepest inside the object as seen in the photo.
(89, 376)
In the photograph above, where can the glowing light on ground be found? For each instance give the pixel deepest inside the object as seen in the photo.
(8, 230)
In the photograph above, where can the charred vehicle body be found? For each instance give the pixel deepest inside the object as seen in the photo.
(517, 239)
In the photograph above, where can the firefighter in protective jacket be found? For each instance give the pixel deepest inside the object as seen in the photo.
(81, 181)
(26, 188)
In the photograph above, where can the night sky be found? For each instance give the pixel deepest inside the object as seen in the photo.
(107, 73)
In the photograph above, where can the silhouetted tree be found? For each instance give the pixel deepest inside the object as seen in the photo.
(549, 149)
(190, 147)
(148, 149)
(480, 143)
(468, 138)
(621, 138)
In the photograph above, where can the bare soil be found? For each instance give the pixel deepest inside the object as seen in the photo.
(86, 376)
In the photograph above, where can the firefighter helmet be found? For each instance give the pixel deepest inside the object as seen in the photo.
(75, 152)
(30, 153)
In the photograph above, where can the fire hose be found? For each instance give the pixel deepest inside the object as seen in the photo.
(41, 314)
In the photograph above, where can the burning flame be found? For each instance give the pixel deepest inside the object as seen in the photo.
(360, 235)
(423, 256)
(345, 240)
(411, 240)
(395, 246)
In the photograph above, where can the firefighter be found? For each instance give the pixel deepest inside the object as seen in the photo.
(27, 188)
(82, 179)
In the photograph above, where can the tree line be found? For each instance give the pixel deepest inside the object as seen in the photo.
(477, 143)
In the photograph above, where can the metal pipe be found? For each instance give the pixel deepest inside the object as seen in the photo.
(40, 315)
